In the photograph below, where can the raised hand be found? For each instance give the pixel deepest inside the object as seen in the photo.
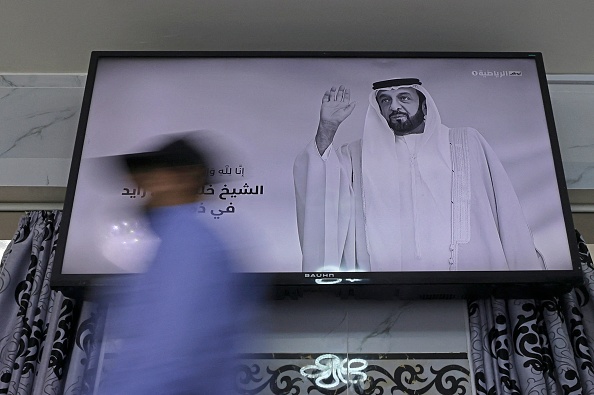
(336, 107)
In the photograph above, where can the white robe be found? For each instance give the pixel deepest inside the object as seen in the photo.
(436, 201)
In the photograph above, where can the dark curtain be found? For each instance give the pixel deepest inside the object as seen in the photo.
(41, 328)
(526, 346)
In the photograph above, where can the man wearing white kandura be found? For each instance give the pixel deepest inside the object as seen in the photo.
(411, 195)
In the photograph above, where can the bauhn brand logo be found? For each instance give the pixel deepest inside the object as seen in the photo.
(319, 275)
(497, 74)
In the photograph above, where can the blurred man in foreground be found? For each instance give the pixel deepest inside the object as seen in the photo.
(179, 321)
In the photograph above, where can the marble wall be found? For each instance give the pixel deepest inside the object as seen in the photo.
(321, 344)
(572, 98)
(39, 117)
(318, 344)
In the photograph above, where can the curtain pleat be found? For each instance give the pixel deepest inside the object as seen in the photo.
(37, 325)
(529, 346)
(85, 360)
(25, 299)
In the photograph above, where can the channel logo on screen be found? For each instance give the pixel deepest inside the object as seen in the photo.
(497, 74)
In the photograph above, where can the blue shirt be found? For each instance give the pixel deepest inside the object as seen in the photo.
(179, 321)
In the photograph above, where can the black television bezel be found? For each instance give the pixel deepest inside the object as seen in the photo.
(424, 285)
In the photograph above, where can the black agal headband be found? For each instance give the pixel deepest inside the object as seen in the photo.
(396, 82)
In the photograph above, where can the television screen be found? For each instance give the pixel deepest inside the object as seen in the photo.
(437, 172)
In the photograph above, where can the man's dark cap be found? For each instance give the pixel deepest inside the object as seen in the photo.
(176, 153)
(396, 82)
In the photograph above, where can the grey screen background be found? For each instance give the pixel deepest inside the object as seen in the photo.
(266, 111)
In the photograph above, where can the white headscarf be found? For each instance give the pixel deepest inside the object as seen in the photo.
(431, 180)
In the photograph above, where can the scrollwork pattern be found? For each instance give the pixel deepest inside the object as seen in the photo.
(329, 371)
(382, 377)
(282, 380)
(61, 338)
(37, 324)
(535, 346)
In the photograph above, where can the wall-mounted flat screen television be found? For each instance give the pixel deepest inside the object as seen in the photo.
(412, 173)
